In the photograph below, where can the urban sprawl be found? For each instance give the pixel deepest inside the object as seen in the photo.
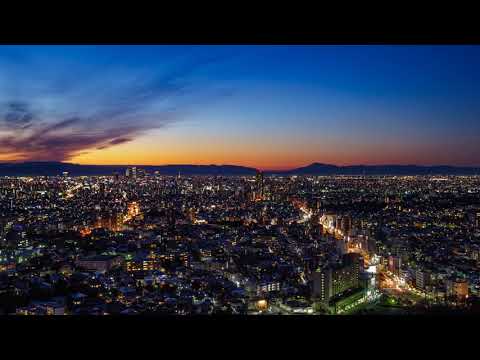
(145, 243)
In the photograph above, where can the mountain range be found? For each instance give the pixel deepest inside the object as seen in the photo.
(326, 169)
(41, 168)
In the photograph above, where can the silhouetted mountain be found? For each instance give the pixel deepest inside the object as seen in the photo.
(41, 168)
(315, 168)
(325, 169)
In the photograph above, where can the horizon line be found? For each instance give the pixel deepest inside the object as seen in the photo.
(270, 169)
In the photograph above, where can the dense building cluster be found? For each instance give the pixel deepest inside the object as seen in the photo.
(139, 243)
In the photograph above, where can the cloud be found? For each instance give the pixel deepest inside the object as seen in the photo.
(67, 138)
(57, 117)
(121, 140)
(17, 115)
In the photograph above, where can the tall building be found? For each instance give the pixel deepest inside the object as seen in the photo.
(457, 288)
(473, 217)
(341, 246)
(422, 279)
(394, 264)
(259, 182)
(371, 245)
(346, 224)
(337, 279)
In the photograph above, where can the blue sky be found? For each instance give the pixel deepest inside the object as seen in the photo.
(264, 106)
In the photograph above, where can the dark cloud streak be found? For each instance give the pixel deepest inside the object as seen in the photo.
(129, 112)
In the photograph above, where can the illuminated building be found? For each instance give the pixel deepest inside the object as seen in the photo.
(110, 222)
(133, 209)
(394, 264)
(341, 246)
(100, 263)
(346, 224)
(338, 224)
(329, 221)
(259, 184)
(268, 287)
(85, 231)
(371, 245)
(261, 305)
(457, 288)
(474, 218)
(422, 279)
(142, 265)
(336, 279)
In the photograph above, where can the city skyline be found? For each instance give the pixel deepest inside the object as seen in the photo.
(268, 107)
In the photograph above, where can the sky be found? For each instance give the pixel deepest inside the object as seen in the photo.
(269, 107)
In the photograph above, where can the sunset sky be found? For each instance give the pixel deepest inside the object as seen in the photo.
(271, 107)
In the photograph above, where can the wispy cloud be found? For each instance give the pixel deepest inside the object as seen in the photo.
(57, 116)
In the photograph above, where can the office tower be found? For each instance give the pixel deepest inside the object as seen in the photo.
(127, 172)
(341, 246)
(457, 288)
(394, 264)
(338, 224)
(371, 245)
(473, 218)
(422, 279)
(337, 279)
(354, 261)
(259, 182)
(346, 224)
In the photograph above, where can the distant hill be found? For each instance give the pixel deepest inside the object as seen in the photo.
(326, 169)
(42, 168)
(57, 168)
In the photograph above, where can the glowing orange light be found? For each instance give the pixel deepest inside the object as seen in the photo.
(262, 304)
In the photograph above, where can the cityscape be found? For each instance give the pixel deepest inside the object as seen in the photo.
(118, 198)
(139, 243)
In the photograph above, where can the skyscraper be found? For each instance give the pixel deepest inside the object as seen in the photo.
(422, 279)
(259, 182)
(337, 279)
(394, 264)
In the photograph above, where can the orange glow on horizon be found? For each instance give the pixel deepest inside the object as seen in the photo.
(264, 154)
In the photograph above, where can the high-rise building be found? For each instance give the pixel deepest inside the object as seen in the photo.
(259, 182)
(346, 224)
(337, 279)
(341, 246)
(371, 245)
(338, 224)
(394, 264)
(457, 288)
(422, 279)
